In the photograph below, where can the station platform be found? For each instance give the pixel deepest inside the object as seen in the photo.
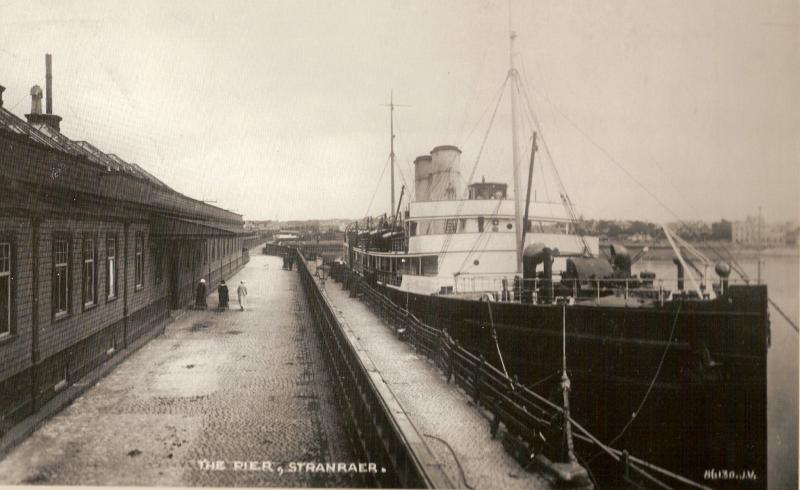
(198, 404)
(454, 429)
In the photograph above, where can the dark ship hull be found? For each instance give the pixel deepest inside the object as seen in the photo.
(706, 390)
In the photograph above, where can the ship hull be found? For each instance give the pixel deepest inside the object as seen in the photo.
(699, 398)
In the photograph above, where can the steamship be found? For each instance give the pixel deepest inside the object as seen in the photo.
(673, 371)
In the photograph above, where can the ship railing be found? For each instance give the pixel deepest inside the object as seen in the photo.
(513, 288)
(390, 278)
(527, 418)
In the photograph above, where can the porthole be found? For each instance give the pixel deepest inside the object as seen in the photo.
(476, 262)
(509, 226)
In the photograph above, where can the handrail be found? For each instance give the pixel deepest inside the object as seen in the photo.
(524, 412)
(380, 429)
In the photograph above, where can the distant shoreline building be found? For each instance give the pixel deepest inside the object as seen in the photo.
(755, 232)
(94, 253)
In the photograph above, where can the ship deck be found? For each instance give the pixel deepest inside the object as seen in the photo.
(438, 410)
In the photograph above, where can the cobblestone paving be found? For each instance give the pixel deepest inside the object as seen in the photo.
(436, 408)
(232, 386)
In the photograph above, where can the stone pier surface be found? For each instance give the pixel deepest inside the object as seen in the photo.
(454, 429)
(224, 387)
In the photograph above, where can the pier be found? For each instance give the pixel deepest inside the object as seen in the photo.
(251, 398)
(220, 398)
(454, 430)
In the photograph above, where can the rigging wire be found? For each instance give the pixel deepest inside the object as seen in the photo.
(566, 201)
(480, 236)
(731, 259)
(546, 378)
(448, 238)
(533, 125)
(473, 94)
(727, 257)
(485, 111)
(784, 315)
(488, 129)
(403, 157)
(377, 185)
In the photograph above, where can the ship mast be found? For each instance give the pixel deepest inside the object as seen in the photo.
(512, 75)
(391, 154)
(391, 105)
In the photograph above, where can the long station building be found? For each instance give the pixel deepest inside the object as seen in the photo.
(94, 253)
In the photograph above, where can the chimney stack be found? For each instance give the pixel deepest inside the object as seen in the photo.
(48, 62)
(36, 118)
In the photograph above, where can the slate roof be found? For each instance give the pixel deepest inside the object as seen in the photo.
(163, 196)
(45, 135)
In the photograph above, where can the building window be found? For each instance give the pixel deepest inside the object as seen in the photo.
(89, 272)
(61, 289)
(5, 288)
(139, 261)
(111, 267)
(213, 249)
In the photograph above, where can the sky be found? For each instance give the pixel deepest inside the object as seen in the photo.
(653, 110)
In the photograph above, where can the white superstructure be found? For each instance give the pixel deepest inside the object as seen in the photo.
(462, 245)
(456, 240)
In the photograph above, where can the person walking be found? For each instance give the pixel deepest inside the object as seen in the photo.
(222, 292)
(200, 295)
(241, 291)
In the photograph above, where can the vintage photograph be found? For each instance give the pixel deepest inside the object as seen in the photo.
(481, 244)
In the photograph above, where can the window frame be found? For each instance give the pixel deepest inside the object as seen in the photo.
(91, 302)
(56, 312)
(112, 288)
(138, 261)
(7, 238)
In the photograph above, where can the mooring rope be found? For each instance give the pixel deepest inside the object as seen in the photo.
(653, 381)
(496, 343)
(785, 317)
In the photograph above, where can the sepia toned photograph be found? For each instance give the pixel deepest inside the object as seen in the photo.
(479, 244)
